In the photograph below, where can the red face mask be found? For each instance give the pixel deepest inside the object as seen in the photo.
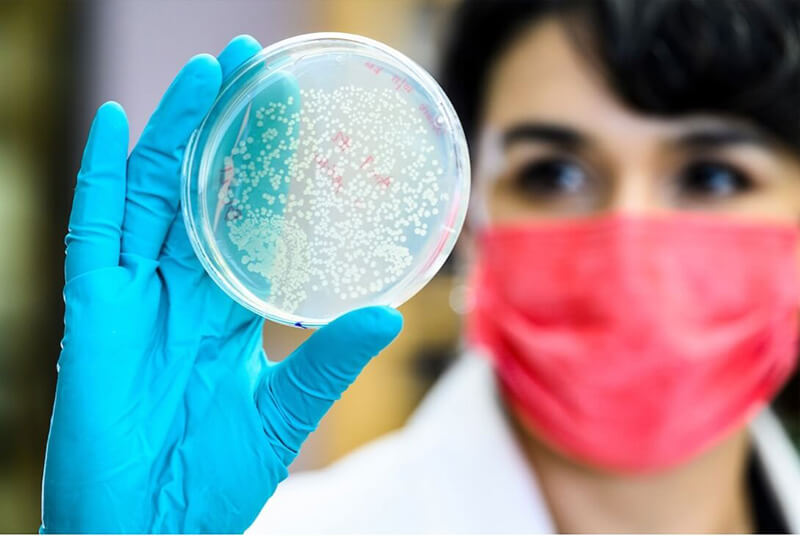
(636, 343)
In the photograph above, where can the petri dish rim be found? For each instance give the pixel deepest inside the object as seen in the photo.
(213, 126)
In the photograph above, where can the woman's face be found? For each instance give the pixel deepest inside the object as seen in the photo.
(567, 147)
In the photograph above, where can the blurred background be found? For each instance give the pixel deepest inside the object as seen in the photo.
(62, 59)
(67, 58)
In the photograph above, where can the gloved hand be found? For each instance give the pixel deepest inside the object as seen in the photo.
(168, 416)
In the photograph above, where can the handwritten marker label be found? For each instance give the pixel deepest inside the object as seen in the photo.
(370, 159)
(337, 183)
(434, 122)
(342, 141)
(324, 164)
(383, 180)
(372, 67)
(401, 84)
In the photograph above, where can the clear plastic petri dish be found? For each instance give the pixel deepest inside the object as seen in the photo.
(331, 173)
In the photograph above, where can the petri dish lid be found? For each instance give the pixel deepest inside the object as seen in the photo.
(331, 173)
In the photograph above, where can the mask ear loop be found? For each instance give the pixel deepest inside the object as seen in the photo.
(489, 161)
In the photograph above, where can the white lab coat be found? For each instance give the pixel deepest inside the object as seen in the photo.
(455, 467)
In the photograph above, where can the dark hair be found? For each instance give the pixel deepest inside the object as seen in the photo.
(739, 58)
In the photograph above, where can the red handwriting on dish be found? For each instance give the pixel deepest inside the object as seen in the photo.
(337, 183)
(382, 180)
(372, 67)
(431, 120)
(401, 84)
(367, 161)
(330, 169)
(342, 141)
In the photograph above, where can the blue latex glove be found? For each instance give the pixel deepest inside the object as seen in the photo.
(168, 416)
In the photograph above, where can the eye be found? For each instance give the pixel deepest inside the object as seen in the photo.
(551, 177)
(713, 180)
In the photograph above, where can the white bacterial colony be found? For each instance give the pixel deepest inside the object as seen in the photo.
(330, 199)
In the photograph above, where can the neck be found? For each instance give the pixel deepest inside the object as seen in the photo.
(706, 494)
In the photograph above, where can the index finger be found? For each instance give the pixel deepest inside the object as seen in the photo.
(93, 238)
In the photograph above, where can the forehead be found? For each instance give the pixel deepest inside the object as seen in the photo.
(544, 77)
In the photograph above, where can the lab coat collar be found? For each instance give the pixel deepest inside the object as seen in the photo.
(464, 415)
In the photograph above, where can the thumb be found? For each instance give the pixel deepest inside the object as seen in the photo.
(298, 391)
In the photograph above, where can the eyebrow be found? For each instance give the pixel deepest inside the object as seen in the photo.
(701, 138)
(714, 138)
(543, 132)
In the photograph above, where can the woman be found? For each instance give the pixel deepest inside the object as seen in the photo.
(634, 291)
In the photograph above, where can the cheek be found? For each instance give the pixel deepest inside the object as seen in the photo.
(502, 206)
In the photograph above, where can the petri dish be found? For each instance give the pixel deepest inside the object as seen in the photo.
(331, 173)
